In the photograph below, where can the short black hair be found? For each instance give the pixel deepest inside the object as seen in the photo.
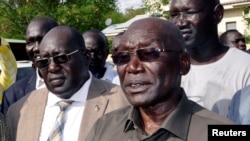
(104, 38)
(47, 21)
(223, 36)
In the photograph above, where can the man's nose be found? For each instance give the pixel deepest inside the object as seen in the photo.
(181, 19)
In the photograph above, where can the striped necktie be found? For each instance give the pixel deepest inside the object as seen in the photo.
(57, 131)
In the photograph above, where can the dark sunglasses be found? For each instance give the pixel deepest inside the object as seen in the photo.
(238, 40)
(144, 54)
(94, 53)
(58, 59)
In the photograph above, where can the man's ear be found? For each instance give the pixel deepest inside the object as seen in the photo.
(185, 63)
(218, 13)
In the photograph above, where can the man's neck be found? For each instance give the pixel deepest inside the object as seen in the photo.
(98, 73)
(154, 116)
(207, 53)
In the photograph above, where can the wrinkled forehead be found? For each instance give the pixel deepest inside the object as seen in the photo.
(56, 45)
(139, 38)
(190, 4)
(49, 45)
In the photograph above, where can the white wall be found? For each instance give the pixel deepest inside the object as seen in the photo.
(234, 15)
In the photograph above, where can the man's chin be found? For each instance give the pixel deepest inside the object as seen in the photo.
(188, 44)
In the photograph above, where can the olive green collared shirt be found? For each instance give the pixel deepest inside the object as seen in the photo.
(188, 122)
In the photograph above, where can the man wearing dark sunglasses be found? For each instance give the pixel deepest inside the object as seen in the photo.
(36, 30)
(150, 62)
(97, 48)
(217, 72)
(233, 38)
(64, 65)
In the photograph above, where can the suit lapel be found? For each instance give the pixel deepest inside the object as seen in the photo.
(32, 115)
(95, 107)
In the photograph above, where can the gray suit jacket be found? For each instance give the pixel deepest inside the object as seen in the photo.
(25, 117)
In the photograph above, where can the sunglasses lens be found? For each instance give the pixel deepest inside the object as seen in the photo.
(60, 59)
(148, 54)
(43, 63)
(238, 40)
(121, 58)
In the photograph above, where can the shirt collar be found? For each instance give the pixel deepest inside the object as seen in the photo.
(180, 117)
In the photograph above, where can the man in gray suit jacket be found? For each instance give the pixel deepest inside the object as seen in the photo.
(64, 66)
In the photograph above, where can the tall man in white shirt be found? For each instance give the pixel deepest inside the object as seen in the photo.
(64, 65)
(217, 71)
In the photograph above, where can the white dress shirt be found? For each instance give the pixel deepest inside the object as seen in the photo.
(73, 114)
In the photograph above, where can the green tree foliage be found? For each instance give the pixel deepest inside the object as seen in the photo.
(81, 14)
(123, 17)
(155, 8)
(116, 17)
(130, 13)
(246, 11)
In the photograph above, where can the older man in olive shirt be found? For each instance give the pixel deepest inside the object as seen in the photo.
(150, 79)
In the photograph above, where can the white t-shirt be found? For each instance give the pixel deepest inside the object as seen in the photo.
(213, 85)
